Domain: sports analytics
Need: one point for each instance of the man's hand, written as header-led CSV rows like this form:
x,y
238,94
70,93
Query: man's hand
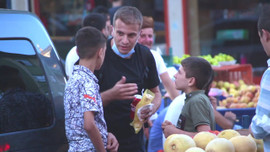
x,y
123,90
112,144
120,91
145,112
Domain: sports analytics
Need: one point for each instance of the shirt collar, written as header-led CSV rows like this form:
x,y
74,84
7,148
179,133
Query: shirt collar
x,y
85,70
116,51
189,95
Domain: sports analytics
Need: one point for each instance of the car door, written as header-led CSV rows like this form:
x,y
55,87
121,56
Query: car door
x,y
32,82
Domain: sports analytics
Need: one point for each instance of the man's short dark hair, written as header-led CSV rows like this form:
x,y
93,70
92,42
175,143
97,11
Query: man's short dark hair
x,y
88,41
264,19
128,15
96,20
200,69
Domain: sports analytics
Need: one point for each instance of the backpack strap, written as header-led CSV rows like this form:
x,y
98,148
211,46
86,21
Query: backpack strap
x,y
139,49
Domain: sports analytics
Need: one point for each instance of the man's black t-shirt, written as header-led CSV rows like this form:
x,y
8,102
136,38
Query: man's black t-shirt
x,y
139,69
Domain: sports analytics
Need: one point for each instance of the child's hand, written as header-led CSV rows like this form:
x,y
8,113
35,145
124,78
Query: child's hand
x,y
112,144
230,115
168,128
213,101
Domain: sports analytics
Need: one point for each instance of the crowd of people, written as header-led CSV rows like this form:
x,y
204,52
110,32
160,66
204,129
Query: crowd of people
x,y
112,63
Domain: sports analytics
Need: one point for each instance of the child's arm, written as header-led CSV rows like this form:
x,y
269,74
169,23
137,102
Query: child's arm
x,y
92,131
169,129
113,144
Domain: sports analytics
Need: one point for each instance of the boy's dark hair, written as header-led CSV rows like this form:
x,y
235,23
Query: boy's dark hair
x,y
88,41
96,20
201,70
264,19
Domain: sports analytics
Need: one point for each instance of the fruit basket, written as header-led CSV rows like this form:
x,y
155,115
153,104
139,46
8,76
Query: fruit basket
x,y
244,116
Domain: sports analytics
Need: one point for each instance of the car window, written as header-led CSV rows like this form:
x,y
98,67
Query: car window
x,y
25,101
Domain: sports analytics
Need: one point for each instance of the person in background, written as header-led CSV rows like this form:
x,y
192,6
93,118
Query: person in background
x,y
147,39
225,122
103,10
128,69
116,4
194,78
260,124
93,20
85,125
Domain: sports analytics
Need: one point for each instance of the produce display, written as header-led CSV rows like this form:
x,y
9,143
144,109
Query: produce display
x,y
213,141
220,145
203,138
178,143
244,144
217,60
238,94
228,134
178,60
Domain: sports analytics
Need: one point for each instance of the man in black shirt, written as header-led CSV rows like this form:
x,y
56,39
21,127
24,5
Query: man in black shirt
x,y
128,69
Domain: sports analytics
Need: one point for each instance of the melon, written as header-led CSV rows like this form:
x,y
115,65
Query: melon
x,y
178,143
243,144
194,149
259,143
228,134
220,145
203,138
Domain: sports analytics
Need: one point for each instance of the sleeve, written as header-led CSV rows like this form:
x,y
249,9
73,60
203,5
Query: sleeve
x,y
71,59
260,124
152,79
160,64
88,99
199,113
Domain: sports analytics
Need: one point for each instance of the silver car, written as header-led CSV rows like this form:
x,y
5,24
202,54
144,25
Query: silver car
x,y
32,81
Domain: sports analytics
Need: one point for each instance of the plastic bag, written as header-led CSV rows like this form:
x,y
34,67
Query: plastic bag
x,y
147,98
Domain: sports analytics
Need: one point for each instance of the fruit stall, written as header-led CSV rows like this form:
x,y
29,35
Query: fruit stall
x,y
227,140
233,87
238,94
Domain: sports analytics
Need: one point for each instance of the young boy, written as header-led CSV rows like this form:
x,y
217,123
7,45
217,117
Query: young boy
x,y
86,129
193,77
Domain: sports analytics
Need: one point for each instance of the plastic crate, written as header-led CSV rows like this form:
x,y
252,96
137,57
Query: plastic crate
x,y
244,116
234,73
